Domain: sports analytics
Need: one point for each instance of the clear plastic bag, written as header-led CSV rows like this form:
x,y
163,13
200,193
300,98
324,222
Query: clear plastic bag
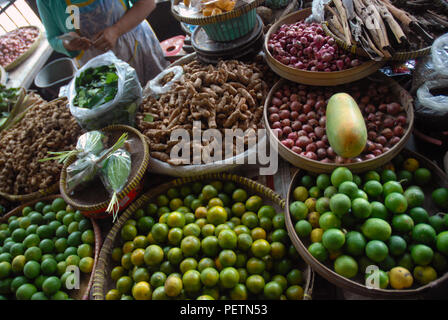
x,y
120,110
156,88
82,171
433,105
318,9
115,172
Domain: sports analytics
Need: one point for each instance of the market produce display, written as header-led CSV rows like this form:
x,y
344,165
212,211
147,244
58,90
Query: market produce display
x,y
15,43
377,26
378,218
304,46
96,86
8,97
205,241
229,95
44,127
37,247
297,114
214,7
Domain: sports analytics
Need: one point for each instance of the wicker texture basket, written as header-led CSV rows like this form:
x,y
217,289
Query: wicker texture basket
x,y
86,280
28,52
357,285
319,167
93,200
312,77
102,282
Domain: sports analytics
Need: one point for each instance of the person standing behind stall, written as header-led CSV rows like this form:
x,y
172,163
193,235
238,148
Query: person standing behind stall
x,y
105,25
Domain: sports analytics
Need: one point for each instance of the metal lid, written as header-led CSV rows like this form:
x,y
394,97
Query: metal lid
x,y
204,45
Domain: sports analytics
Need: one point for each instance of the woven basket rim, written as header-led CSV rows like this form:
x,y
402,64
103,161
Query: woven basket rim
x,y
17,211
200,21
267,193
397,56
349,284
134,181
28,52
395,149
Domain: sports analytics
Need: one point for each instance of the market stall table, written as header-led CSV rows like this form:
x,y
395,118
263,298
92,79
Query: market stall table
x,y
23,75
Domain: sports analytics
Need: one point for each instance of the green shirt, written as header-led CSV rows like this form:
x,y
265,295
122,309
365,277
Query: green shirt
x,y
54,17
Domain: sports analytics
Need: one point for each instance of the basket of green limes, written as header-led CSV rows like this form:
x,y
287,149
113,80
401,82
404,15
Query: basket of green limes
x,y
217,236
47,251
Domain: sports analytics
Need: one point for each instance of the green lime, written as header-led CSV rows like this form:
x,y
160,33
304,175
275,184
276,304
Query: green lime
x,y
376,250
25,291
330,191
379,211
397,245
323,205
405,177
333,239
422,176
415,197
255,284
346,266
340,175
373,188
33,254
388,175
159,232
442,242
239,195
361,208
323,181
419,215
303,228
424,233
437,222
440,197
31,269
392,186
396,202
329,220
340,204
49,266
229,277
318,251
74,239
406,262
376,229
51,285
307,181
272,290
348,188
372,175
402,223
355,243
298,210
422,254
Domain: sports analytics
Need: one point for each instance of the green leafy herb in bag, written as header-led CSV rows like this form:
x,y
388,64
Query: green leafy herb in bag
x,y
115,174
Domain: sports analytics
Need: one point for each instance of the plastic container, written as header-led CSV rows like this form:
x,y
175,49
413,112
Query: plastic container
x,y
55,74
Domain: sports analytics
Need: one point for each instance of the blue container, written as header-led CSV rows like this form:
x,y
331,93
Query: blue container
x,y
233,28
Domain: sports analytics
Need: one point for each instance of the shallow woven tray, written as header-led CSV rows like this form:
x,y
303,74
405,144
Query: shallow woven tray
x,y
95,196
357,285
86,279
102,282
317,78
319,167
28,52
199,20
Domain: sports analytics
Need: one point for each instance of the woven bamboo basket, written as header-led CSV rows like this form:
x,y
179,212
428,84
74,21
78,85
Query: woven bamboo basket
x,y
86,279
319,167
28,52
397,56
34,195
102,282
312,77
93,200
357,285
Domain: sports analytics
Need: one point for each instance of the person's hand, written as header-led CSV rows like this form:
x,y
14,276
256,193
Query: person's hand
x,y
106,39
77,43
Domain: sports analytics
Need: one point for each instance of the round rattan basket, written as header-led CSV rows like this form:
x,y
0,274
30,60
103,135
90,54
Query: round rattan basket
x,y
86,279
319,167
357,285
93,200
103,283
312,77
28,52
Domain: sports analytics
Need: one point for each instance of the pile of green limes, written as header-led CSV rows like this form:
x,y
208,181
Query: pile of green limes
x,y
37,247
378,218
211,241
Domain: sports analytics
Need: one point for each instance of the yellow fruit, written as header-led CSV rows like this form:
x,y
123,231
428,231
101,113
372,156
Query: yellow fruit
x,y
113,294
216,11
411,165
142,291
200,212
128,247
400,278
316,235
425,275
311,204
313,219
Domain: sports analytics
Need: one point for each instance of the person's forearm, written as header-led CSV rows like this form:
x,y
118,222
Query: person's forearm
x,y
134,16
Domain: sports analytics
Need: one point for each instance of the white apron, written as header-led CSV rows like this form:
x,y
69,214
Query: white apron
x,y
138,47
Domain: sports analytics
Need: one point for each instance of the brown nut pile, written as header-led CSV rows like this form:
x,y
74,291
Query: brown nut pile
x,y
228,96
45,127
